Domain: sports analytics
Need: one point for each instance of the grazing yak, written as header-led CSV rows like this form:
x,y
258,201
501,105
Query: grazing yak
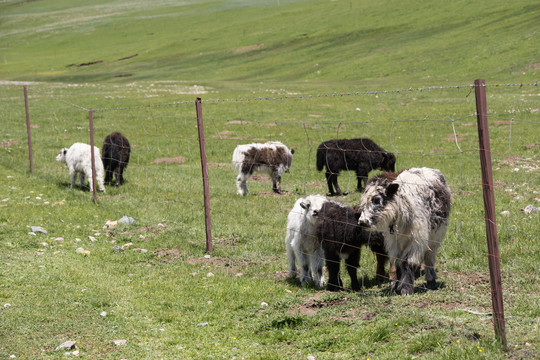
x,y
78,159
411,209
341,237
301,242
115,156
360,155
272,158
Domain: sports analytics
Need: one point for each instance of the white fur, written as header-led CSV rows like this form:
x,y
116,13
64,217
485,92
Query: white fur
x,y
301,241
406,220
79,162
275,171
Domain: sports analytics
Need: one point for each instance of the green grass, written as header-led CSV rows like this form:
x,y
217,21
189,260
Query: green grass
x,y
171,301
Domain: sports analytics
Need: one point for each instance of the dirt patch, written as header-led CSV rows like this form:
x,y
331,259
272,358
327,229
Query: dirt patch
x,y
452,137
532,146
225,133
502,122
90,63
174,160
128,57
238,122
34,126
168,255
316,302
245,49
228,265
213,165
8,143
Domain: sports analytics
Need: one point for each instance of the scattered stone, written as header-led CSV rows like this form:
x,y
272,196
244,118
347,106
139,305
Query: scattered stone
x,y
103,313
38,229
68,345
209,275
263,304
32,233
202,324
207,256
126,220
91,238
75,353
117,248
119,342
505,213
82,251
139,250
59,239
77,239
125,246
7,305
110,224
530,209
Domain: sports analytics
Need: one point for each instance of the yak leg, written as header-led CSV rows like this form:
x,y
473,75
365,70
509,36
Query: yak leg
x,y
352,263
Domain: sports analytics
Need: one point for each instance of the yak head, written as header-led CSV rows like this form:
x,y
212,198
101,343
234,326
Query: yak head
x,y
312,205
376,210
62,156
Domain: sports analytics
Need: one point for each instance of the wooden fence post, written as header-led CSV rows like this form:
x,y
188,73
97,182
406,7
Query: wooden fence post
x,y
28,130
92,155
489,207
202,146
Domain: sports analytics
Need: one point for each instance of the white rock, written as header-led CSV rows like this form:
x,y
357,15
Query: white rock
x,y
125,246
103,313
68,345
209,275
119,342
91,238
126,220
505,213
38,229
263,304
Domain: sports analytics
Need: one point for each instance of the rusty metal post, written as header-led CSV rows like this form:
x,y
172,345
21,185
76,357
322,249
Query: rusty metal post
x,y
489,207
28,130
92,156
202,146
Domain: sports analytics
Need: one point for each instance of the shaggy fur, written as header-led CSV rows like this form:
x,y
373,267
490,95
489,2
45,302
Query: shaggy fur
x,y
272,158
115,156
341,238
360,155
78,159
411,210
301,242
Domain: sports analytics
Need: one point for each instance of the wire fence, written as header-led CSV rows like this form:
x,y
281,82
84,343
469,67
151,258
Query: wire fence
x,y
431,126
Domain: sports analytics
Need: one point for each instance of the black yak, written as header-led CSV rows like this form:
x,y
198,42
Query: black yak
x,y
115,156
360,155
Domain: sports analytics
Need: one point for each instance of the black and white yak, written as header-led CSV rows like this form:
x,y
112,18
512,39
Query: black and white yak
x,y
360,155
272,158
411,210
115,156
341,237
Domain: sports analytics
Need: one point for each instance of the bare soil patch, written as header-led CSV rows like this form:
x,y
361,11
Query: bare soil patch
x,y
174,160
8,143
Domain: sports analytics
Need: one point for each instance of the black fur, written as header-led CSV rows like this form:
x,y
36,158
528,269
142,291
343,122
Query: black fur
x,y
115,156
340,235
360,155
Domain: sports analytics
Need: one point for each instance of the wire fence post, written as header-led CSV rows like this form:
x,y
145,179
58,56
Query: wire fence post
x,y
202,146
92,155
28,130
489,208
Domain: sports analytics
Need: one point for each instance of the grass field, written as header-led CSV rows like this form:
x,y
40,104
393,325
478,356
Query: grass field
x,y
161,294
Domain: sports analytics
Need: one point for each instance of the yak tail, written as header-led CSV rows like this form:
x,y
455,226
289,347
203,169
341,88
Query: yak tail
x,y
321,157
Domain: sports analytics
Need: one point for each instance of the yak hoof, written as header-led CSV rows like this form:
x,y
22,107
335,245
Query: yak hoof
x,y
432,285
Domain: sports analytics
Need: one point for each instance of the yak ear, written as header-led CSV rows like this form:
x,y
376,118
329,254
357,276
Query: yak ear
x,y
305,205
292,151
64,151
391,190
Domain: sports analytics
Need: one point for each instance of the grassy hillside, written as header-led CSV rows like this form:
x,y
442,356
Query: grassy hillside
x,y
350,43
140,64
